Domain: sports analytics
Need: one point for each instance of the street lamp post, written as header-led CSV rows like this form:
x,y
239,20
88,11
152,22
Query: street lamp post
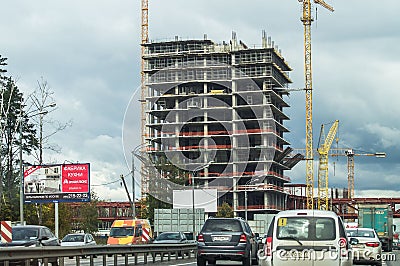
x,y
245,202
194,171
21,170
135,151
133,186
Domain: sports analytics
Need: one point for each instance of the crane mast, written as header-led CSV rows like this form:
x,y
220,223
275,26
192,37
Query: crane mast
x,y
307,19
323,151
145,38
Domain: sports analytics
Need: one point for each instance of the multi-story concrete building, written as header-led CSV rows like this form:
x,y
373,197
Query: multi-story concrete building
x,y
217,111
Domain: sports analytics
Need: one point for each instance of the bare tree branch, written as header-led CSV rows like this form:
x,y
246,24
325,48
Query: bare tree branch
x,y
41,99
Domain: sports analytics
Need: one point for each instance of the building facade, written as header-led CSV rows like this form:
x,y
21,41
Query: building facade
x,y
217,112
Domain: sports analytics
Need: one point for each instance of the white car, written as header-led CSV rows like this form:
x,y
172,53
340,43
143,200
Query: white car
x,y
78,239
366,246
306,238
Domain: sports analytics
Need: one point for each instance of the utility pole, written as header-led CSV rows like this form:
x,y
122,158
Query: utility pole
x,y
127,193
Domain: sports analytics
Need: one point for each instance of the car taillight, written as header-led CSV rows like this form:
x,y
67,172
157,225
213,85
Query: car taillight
x,y
268,246
372,244
243,238
200,238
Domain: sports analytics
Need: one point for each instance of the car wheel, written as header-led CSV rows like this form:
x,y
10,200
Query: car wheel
x,y
201,261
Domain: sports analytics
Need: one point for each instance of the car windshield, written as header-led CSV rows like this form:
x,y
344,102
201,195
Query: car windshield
x,y
217,225
73,238
306,228
121,231
360,233
169,236
19,234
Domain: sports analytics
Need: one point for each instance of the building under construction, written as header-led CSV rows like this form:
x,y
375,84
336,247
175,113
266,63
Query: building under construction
x,y
217,112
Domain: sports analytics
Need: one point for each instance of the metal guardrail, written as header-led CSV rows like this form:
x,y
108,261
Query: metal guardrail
x,y
25,255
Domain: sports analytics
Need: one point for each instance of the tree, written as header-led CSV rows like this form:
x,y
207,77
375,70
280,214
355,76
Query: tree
x,y
225,211
173,174
40,99
88,215
15,127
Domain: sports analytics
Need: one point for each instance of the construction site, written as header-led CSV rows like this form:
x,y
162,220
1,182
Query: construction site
x,y
218,111
221,105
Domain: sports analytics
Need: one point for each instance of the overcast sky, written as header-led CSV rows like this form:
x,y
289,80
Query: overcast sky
x,y
89,53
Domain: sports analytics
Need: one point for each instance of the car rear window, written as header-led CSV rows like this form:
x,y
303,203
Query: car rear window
x,y
73,238
360,233
24,233
169,236
218,225
306,228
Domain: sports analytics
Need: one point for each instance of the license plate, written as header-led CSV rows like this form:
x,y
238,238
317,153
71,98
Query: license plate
x,y
358,246
296,255
221,238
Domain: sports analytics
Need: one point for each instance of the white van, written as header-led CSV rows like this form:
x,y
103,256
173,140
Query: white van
x,y
306,237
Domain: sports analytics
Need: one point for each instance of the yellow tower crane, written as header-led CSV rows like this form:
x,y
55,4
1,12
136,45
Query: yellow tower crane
x,y
307,19
350,153
145,39
323,151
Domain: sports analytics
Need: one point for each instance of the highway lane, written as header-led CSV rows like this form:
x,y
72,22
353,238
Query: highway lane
x,y
392,258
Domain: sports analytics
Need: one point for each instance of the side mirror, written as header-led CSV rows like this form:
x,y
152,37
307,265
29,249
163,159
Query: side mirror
x,y
353,241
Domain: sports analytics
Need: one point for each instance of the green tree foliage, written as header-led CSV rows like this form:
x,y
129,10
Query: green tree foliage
x,y
65,218
87,215
13,121
225,211
173,174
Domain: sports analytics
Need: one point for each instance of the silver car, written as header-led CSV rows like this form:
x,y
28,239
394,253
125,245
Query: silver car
x,y
366,246
306,237
78,239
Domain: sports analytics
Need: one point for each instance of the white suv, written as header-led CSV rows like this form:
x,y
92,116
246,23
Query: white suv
x,y
306,237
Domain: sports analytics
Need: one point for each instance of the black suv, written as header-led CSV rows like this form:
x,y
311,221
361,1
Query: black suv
x,y
226,239
32,236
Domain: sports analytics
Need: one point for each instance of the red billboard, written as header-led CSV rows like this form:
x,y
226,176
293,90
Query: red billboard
x,y
57,183
75,178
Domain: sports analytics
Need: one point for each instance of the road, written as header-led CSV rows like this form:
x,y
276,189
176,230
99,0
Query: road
x,y
393,259
392,255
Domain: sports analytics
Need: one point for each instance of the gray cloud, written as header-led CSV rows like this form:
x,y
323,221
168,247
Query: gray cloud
x,y
89,53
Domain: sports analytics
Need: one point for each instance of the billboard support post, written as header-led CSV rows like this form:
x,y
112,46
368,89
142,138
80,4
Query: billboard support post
x,y
56,218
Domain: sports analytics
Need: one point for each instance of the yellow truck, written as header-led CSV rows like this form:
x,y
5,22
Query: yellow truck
x,y
130,232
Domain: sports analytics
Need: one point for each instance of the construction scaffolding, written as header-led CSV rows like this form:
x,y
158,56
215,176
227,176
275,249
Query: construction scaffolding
x,y
221,105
